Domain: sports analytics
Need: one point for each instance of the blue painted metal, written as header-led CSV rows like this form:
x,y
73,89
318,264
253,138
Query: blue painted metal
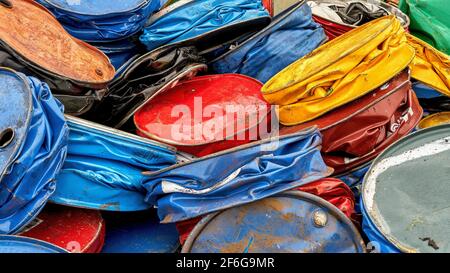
x,y
405,194
295,222
291,35
33,146
181,23
120,52
354,179
139,232
424,92
236,176
102,20
103,169
18,244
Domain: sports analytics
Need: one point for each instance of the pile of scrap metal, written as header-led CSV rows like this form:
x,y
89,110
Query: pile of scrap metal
x,y
224,126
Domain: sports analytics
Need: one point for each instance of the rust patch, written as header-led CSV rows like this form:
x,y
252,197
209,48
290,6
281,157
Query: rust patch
x,y
38,37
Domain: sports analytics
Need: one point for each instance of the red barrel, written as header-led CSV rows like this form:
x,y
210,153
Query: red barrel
x,y
357,132
76,230
206,114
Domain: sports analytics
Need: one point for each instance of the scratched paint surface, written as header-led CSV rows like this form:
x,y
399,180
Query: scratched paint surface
x,y
410,201
276,225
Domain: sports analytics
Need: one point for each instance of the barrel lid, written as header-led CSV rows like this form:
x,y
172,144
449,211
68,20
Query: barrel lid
x,y
45,45
18,244
435,120
139,232
97,7
288,222
61,225
15,111
219,93
405,193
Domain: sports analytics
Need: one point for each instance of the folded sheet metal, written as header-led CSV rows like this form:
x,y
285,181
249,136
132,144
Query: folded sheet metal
x,y
430,99
19,244
331,190
119,52
103,169
143,78
252,172
139,232
405,194
430,21
33,145
102,20
434,120
32,41
338,17
430,66
203,22
357,132
76,230
232,113
291,35
340,71
290,222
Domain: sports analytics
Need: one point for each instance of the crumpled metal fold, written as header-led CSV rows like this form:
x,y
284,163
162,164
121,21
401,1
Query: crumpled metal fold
x,y
261,56
340,71
141,79
252,172
102,21
103,169
28,179
200,17
430,66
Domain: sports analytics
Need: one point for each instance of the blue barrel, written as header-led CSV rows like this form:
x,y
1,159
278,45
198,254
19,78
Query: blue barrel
x,y
102,20
405,194
18,244
291,35
33,145
295,222
204,23
139,232
104,168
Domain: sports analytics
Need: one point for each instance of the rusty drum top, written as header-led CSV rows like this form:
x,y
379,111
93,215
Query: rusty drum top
x,y
290,222
406,191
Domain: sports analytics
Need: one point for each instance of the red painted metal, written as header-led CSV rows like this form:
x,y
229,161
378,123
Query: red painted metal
x,y
357,132
77,230
206,119
332,30
268,4
332,190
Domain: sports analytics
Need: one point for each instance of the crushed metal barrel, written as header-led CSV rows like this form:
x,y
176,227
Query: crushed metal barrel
x,y
224,126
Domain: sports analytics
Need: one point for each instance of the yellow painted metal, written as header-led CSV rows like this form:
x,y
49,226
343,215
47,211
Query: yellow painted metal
x,y
435,120
340,71
430,66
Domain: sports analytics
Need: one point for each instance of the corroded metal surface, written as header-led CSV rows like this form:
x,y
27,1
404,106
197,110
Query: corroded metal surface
x,y
46,44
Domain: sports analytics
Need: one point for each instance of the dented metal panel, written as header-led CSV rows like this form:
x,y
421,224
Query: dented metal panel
x,y
76,230
405,194
33,146
261,56
357,132
104,167
435,120
142,79
204,23
102,20
230,95
252,172
294,222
